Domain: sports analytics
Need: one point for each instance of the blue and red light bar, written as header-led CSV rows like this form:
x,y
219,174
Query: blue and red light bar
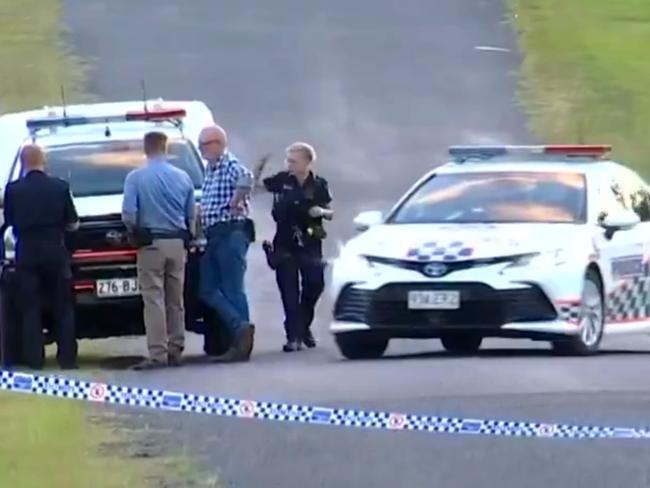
x,y
592,151
155,115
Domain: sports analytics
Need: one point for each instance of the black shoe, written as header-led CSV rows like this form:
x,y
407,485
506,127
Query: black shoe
x,y
309,341
292,346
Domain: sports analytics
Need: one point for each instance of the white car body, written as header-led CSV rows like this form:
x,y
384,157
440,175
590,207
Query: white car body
x,y
15,135
394,255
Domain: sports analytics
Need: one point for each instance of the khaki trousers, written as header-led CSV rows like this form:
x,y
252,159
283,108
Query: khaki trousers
x,y
161,273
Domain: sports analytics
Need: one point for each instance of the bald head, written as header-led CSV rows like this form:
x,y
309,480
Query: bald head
x,y
212,142
32,157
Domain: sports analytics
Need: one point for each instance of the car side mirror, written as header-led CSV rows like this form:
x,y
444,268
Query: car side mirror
x,y
365,220
619,220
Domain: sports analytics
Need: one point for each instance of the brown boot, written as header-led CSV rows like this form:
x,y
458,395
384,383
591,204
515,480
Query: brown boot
x,y
247,341
240,350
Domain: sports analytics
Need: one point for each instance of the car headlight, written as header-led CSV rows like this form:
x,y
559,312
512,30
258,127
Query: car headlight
x,y
9,245
543,259
349,262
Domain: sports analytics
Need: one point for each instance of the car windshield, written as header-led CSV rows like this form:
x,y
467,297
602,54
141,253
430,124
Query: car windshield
x,y
496,197
100,168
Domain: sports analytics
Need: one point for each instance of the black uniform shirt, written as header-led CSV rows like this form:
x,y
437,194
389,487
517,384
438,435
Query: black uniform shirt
x,y
291,204
39,208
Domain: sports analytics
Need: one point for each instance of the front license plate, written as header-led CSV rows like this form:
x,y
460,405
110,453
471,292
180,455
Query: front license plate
x,y
117,287
434,300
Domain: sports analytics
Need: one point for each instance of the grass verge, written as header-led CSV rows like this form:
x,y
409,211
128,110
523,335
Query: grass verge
x,y
584,74
54,442
34,58
47,442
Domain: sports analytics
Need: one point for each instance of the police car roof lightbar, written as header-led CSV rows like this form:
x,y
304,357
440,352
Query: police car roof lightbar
x,y
592,151
155,115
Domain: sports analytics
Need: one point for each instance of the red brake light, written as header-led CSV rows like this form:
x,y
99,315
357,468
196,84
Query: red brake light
x,y
157,114
594,150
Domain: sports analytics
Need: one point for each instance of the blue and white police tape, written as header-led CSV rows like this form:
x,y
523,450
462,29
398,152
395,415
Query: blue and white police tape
x,y
228,407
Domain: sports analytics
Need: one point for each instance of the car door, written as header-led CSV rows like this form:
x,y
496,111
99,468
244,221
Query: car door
x,y
624,255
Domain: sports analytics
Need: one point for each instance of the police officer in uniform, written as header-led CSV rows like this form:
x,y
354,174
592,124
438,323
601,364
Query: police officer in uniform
x,y
40,210
301,200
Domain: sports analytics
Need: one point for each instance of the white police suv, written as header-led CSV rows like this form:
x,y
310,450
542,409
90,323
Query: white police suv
x,y
548,243
94,147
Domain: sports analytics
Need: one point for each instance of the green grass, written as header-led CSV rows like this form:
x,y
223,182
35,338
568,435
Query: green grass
x,y
47,442
585,73
55,443
34,58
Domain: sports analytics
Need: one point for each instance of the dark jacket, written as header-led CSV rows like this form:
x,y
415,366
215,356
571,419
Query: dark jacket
x,y
40,210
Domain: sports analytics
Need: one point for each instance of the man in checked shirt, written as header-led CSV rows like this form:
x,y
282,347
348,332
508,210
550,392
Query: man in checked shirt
x,y
229,231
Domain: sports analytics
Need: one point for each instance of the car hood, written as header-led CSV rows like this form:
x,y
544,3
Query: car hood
x,y
96,206
458,242
100,205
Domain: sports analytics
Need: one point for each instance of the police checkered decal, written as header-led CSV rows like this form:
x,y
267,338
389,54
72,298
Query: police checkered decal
x,y
569,312
431,251
630,300
228,407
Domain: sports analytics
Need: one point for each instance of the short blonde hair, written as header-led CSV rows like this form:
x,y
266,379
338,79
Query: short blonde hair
x,y
304,148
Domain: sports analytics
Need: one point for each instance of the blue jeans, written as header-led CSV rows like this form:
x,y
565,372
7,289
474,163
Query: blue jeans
x,y
223,267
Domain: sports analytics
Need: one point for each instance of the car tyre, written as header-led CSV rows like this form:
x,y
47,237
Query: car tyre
x,y
461,343
591,321
354,345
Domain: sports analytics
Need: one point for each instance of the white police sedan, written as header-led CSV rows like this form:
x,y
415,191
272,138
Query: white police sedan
x,y
548,243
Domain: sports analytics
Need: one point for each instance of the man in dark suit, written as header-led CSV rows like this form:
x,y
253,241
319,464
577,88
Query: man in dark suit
x,y
40,210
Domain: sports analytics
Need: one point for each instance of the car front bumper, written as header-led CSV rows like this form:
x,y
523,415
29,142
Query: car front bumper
x,y
522,311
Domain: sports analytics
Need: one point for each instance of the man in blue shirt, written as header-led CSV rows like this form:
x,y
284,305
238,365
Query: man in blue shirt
x,y
225,202
159,210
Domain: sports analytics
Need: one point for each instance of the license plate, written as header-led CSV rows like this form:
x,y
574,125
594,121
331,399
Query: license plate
x,y
117,287
434,300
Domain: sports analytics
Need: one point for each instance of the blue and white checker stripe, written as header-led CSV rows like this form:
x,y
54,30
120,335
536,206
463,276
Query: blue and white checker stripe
x,y
229,407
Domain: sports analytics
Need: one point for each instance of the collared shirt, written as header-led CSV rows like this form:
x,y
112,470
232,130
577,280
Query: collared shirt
x,y
158,197
223,177
39,208
291,204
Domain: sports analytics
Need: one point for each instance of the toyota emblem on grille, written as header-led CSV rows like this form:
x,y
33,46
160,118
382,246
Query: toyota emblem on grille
x,y
114,236
435,270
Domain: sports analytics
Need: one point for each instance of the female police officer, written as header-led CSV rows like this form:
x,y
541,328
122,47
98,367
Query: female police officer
x,y
301,200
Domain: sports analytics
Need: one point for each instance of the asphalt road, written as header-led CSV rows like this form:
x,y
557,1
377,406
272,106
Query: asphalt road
x,y
381,88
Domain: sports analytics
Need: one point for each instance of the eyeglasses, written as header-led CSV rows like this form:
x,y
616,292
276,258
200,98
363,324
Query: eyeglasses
x,y
207,143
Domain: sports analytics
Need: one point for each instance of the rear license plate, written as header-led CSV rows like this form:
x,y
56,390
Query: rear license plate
x,y
434,300
117,287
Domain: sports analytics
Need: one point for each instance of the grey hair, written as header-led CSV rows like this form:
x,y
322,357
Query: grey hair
x,y
304,148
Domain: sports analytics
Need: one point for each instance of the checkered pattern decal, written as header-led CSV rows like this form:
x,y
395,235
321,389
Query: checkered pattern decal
x,y
569,312
229,407
430,251
630,300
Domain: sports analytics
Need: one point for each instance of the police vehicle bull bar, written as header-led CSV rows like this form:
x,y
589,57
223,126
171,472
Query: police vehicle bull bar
x,y
582,152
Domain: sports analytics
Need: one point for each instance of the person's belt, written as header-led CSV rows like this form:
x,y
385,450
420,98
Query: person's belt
x,y
181,234
226,225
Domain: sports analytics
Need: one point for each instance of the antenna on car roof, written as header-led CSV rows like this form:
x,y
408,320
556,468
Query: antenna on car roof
x,y
65,112
144,96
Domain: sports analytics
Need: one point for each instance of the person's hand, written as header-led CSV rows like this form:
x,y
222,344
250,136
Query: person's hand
x,y
259,167
315,212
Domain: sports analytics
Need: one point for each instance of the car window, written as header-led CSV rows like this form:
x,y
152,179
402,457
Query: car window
x,y
508,196
100,168
635,194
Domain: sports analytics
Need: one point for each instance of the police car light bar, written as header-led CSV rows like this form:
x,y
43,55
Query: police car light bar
x,y
593,151
156,115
